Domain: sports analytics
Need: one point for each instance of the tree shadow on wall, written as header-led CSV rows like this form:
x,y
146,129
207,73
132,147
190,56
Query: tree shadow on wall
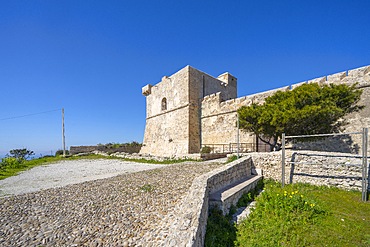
x,y
293,162
341,144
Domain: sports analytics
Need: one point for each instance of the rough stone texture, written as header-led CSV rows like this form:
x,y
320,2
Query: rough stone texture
x,y
115,211
202,110
186,225
152,208
66,172
319,168
88,149
225,198
176,130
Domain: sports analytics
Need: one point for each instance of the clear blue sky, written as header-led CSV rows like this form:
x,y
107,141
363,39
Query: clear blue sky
x,y
93,57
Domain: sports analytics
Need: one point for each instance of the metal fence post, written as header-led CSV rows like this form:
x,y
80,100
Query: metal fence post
x,y
283,160
365,181
237,134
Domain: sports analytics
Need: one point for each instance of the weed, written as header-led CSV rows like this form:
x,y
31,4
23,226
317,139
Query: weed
x,y
147,188
231,158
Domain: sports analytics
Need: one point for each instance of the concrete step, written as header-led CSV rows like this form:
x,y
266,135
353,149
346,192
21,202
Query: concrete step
x,y
229,195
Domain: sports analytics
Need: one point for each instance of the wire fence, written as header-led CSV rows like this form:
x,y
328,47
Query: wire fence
x,y
365,170
243,147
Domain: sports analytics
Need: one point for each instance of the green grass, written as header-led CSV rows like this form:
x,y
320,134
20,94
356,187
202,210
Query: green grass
x,y
306,215
220,231
11,170
231,158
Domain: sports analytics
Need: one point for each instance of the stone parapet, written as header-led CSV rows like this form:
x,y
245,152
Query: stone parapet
x,y
186,225
189,219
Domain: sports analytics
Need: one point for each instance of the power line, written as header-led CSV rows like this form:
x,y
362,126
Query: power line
x,y
27,115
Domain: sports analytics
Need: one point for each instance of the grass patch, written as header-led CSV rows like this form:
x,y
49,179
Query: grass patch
x,y
8,170
220,229
147,188
306,215
231,158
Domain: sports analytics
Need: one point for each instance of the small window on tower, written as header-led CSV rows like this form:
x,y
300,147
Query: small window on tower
x,y
164,104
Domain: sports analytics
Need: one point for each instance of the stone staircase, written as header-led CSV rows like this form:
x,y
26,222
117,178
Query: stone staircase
x,y
229,195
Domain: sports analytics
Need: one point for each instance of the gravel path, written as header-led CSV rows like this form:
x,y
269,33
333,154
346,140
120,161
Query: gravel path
x,y
68,172
115,211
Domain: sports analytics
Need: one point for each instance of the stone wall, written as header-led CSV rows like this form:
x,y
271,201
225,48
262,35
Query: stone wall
x,y
201,109
167,134
186,225
175,130
89,149
189,219
167,130
319,168
219,117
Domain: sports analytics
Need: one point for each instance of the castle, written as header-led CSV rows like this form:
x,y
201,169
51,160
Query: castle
x,y
191,109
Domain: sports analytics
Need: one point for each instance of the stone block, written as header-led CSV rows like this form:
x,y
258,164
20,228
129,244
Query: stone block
x,y
336,78
146,90
298,84
359,71
319,80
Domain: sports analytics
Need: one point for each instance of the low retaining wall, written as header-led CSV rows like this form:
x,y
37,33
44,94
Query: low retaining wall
x,y
188,222
88,149
318,168
189,219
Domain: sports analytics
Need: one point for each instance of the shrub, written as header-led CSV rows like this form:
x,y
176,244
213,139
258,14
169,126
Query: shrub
x,y
206,150
60,152
10,162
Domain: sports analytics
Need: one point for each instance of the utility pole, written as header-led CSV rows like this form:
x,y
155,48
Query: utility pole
x,y
63,135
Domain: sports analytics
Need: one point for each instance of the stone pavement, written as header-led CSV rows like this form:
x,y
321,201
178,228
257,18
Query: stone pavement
x,y
115,211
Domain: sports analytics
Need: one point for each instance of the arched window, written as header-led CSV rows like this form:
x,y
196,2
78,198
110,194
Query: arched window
x,y
164,104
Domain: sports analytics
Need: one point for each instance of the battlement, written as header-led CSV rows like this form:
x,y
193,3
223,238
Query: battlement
x,y
146,90
227,79
191,108
215,97
360,75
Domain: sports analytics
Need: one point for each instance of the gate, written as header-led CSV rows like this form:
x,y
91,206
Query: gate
x,y
364,157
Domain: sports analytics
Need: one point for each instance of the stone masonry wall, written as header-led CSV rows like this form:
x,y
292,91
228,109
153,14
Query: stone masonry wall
x,y
202,109
167,134
189,219
218,117
167,131
318,168
88,149
176,129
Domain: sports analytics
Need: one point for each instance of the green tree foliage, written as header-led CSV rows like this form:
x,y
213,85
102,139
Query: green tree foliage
x,y
60,152
21,154
306,110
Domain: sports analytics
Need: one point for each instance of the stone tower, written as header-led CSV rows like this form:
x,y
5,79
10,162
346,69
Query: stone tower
x,y
173,107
